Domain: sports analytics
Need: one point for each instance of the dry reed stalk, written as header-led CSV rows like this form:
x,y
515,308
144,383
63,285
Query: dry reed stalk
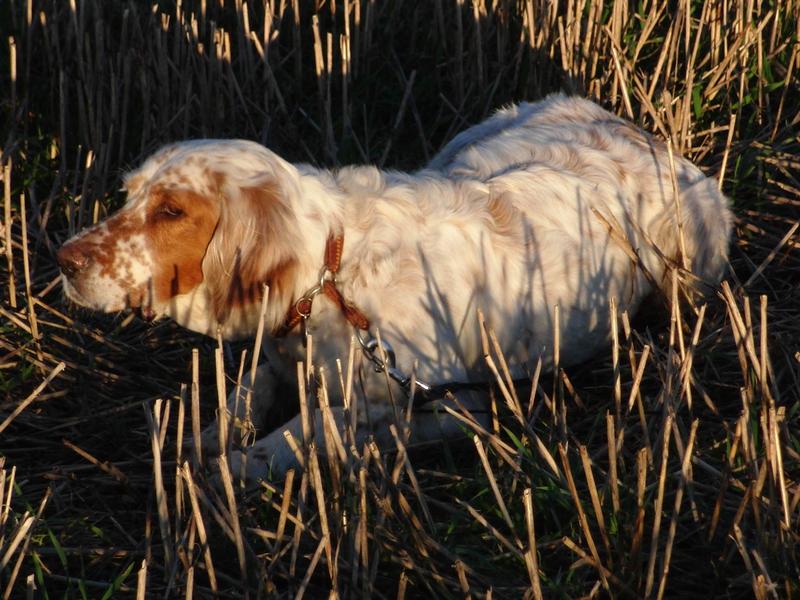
x,y
303,379
7,221
763,363
7,478
503,450
179,499
531,558
222,404
26,269
486,352
227,485
738,538
361,548
493,482
534,387
757,503
319,493
105,466
726,153
678,205
388,381
622,77
638,528
613,479
789,74
596,504
189,581
32,396
637,379
676,322
248,399
155,425
286,499
25,522
673,525
12,65
748,443
23,553
509,381
141,581
781,477
616,374
334,446
510,397
196,437
688,362
559,402
657,511
584,522
200,526
401,586
324,544
511,547
321,75
406,463
328,108
567,383
626,591
299,453
726,479
15,319
462,580
161,424
741,332
351,408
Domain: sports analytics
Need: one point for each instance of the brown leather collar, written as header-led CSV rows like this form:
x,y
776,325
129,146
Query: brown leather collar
x,y
301,309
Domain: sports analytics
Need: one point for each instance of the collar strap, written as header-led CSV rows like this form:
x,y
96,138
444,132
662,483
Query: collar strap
x,y
301,309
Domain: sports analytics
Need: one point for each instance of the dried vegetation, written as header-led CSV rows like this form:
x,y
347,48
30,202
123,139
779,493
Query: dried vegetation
x,y
669,467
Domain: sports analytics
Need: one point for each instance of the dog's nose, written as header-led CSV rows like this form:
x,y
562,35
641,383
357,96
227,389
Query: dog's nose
x,y
72,259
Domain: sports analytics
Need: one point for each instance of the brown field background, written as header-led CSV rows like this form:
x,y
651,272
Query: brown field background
x,y
668,467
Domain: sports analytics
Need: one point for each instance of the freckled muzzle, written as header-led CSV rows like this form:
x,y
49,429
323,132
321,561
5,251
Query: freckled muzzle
x,y
73,257
97,276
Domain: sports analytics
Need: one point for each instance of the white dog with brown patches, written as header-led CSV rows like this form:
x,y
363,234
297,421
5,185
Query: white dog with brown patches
x,y
553,203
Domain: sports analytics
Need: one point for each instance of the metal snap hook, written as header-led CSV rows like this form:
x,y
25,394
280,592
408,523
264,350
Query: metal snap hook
x,y
372,346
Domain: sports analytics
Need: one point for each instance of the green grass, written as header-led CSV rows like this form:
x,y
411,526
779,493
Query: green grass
x,y
95,91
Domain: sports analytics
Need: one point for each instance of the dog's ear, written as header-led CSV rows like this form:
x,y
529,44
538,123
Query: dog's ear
x,y
254,244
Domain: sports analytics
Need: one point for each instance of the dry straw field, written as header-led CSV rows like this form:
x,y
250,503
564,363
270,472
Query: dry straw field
x,y
667,467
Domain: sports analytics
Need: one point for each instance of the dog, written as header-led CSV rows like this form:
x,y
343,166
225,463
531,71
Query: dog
x,y
554,203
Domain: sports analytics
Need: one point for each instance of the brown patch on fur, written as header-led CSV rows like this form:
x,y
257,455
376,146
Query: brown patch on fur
x,y
178,243
99,245
254,246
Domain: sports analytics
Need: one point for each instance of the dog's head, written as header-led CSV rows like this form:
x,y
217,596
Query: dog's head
x,y
205,225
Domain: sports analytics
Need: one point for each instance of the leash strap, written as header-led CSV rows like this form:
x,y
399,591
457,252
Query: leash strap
x,y
301,309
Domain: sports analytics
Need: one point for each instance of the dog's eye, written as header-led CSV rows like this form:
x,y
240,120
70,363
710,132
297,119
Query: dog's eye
x,y
170,211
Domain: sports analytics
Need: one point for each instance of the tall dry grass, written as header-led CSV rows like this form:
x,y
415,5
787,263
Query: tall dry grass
x,y
668,467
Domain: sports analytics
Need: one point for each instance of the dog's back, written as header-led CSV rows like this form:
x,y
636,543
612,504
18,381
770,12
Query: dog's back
x,y
577,137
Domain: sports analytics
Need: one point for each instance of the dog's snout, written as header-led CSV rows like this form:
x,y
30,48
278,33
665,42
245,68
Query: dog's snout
x,y
72,259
